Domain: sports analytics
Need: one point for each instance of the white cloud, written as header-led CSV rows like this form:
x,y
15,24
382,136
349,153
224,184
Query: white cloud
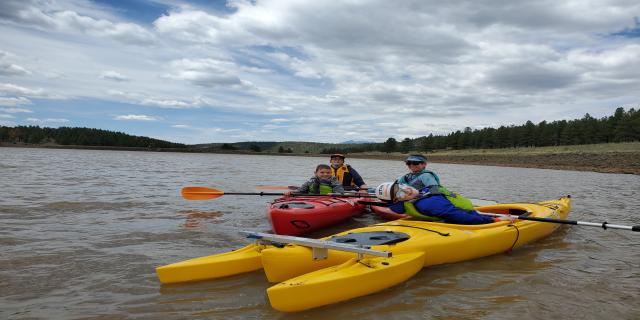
x,y
171,104
12,102
48,120
6,116
9,88
113,75
8,68
205,72
188,25
16,110
125,95
279,109
46,16
137,117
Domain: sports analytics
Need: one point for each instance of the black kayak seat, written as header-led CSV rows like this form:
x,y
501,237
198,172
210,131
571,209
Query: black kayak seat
x,y
373,238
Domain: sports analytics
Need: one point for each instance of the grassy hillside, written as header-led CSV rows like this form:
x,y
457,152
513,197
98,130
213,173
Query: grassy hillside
x,y
584,148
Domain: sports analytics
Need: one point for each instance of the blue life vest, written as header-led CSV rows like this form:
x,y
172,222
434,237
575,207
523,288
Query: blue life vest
x,y
416,182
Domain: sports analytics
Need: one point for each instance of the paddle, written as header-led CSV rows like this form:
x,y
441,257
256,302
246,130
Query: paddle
x,y
293,188
204,193
277,187
604,225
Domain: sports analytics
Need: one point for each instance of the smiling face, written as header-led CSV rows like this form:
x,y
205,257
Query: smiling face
x,y
406,192
323,174
337,162
416,166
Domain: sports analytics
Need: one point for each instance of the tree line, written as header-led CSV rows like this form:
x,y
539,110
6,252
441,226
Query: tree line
x,y
622,126
80,136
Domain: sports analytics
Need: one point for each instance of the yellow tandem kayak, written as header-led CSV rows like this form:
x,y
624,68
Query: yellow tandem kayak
x,y
313,273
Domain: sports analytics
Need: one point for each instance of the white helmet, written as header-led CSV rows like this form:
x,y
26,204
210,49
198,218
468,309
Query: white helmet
x,y
387,191
392,191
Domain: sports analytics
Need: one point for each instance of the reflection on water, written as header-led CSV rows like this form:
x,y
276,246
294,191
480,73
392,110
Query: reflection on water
x,y
195,218
82,232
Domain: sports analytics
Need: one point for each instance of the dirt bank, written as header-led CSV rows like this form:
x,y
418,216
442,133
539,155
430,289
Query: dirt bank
x,y
610,162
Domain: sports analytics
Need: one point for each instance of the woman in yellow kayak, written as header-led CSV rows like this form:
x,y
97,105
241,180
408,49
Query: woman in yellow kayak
x,y
432,203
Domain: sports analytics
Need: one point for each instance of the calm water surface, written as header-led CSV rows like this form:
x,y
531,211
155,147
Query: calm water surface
x,y
82,232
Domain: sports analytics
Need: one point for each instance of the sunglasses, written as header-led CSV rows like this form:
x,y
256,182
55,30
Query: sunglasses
x,y
413,163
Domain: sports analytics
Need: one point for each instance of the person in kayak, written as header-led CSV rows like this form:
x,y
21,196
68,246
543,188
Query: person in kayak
x,y
321,183
418,177
432,203
346,174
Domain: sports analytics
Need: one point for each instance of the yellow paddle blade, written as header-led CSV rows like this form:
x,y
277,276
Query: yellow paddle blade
x,y
201,193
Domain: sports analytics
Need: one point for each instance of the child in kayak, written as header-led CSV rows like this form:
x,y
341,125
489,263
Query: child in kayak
x,y
346,174
431,204
321,183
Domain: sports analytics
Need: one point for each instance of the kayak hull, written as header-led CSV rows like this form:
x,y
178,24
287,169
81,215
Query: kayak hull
x,y
300,215
220,265
337,283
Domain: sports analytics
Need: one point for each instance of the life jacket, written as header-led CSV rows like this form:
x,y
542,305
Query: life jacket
x,y
456,199
320,188
343,175
416,182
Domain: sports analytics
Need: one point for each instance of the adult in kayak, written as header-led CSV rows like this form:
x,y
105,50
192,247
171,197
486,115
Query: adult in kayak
x,y
418,177
432,203
345,173
321,183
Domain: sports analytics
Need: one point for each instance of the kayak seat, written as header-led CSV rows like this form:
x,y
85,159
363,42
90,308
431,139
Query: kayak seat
x,y
295,205
375,238
519,212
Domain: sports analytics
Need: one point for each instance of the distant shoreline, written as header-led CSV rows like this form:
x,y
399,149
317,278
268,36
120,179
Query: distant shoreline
x,y
611,162
624,162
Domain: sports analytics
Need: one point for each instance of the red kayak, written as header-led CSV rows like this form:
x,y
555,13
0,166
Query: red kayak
x,y
299,215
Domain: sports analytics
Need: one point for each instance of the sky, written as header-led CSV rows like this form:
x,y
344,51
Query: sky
x,y
322,71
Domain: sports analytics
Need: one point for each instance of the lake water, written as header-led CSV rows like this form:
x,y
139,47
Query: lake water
x,y
83,230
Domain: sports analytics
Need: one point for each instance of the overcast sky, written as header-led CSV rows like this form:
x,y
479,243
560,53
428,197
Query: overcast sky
x,y
325,71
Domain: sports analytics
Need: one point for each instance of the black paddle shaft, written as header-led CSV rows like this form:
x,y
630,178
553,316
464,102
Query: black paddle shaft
x,y
337,195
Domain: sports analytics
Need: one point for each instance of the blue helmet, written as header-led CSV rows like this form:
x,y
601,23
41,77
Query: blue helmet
x,y
416,158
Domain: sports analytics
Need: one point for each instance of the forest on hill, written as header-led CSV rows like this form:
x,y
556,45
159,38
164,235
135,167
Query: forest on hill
x,y
67,136
622,126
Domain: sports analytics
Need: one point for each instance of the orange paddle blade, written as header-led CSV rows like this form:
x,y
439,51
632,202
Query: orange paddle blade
x,y
201,193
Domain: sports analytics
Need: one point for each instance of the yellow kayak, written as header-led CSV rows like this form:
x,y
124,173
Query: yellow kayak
x,y
313,273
